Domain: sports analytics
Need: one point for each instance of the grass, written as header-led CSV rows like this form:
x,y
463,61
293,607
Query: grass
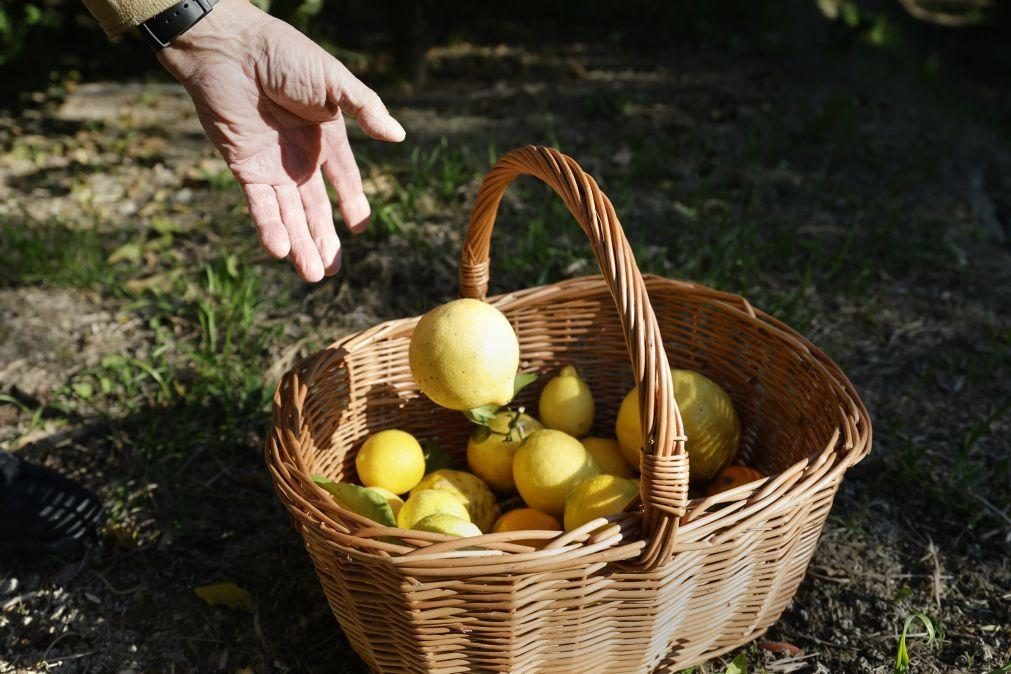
x,y
53,253
201,380
431,183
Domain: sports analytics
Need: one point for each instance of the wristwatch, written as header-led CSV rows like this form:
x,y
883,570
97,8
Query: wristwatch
x,y
159,31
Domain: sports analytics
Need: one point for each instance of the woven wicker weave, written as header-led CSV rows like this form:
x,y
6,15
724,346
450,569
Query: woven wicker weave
x,y
668,584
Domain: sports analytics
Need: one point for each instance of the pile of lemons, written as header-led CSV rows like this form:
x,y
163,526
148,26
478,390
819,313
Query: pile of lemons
x,y
464,355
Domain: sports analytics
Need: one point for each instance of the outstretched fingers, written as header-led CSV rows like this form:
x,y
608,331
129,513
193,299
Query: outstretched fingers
x,y
267,218
304,254
358,101
319,217
342,172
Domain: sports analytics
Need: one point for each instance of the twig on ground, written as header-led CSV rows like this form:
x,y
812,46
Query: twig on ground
x,y
917,575
936,575
20,599
834,579
112,589
991,507
57,659
45,655
792,664
822,642
73,435
259,635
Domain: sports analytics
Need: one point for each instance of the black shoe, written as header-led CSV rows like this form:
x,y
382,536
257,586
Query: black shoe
x,y
42,511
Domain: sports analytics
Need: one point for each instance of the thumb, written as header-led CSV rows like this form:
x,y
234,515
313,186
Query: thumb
x,y
358,101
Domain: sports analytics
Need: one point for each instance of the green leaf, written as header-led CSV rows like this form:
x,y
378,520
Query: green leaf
x,y
226,594
83,389
739,665
902,655
128,252
33,15
850,14
436,458
360,500
113,362
482,416
481,433
1001,670
522,381
903,592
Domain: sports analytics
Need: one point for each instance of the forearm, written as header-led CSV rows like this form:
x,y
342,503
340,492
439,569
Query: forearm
x,y
119,16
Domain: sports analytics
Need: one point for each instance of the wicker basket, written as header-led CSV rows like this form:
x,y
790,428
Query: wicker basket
x,y
670,583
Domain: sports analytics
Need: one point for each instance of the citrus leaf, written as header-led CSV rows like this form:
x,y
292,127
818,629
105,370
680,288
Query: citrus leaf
x,y
436,458
522,381
229,595
483,415
481,433
360,500
738,665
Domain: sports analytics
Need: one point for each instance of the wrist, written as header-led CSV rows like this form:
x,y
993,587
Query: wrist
x,y
221,31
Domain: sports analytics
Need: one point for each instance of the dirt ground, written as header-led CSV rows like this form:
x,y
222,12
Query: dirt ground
x,y
838,192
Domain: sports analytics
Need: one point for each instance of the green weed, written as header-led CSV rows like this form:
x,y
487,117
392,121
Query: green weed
x,y
52,253
203,375
739,665
932,632
430,185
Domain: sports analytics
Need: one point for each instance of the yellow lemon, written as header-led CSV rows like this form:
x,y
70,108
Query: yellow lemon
x,y
441,523
395,501
468,490
599,496
548,466
490,450
710,422
392,460
566,404
608,455
464,354
424,502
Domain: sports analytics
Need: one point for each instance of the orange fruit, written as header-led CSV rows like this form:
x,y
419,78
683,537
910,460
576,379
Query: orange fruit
x,y
730,477
523,519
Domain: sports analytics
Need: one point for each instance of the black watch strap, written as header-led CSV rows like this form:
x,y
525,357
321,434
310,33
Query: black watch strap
x,y
161,29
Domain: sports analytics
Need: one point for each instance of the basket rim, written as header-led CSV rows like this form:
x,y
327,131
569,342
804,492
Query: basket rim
x,y
619,541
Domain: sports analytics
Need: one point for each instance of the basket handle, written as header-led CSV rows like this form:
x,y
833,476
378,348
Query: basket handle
x,y
664,462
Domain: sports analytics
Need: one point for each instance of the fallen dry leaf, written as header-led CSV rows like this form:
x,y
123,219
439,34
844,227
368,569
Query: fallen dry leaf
x,y
229,595
780,647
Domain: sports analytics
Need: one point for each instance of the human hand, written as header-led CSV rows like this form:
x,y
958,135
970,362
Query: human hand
x,y
271,100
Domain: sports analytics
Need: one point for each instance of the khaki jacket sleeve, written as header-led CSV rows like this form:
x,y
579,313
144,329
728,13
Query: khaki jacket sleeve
x,y
118,16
